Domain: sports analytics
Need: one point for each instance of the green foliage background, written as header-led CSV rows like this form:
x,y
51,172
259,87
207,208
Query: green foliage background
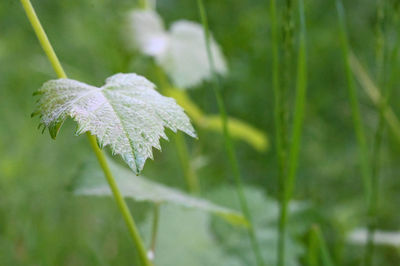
x,y
42,223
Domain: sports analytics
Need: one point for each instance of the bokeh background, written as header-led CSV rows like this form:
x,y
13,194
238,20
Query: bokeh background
x,y
43,223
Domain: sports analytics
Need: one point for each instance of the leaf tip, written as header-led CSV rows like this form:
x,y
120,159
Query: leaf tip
x,y
54,129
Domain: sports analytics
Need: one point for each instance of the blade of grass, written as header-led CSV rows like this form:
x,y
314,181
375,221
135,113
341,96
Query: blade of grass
x,y
279,126
229,145
355,108
301,90
48,49
376,148
317,249
290,179
325,256
312,250
374,94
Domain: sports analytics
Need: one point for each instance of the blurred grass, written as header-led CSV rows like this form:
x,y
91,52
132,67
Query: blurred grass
x,y
42,223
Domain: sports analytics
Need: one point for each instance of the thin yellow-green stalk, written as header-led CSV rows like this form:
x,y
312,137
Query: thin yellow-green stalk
x,y
48,49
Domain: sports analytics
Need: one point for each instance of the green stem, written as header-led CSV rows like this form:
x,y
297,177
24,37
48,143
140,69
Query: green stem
x,y
288,183
358,126
301,87
144,4
355,108
312,251
42,37
279,128
376,149
189,173
325,256
48,49
154,228
229,145
120,201
192,182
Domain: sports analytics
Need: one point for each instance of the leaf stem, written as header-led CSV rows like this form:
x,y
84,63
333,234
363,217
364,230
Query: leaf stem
x,y
42,37
229,145
48,49
120,201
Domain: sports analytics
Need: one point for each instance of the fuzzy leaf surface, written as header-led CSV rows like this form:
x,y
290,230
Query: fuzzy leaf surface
x,y
127,114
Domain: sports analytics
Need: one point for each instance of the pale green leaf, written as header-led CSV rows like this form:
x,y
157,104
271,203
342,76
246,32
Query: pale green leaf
x,y
148,32
127,114
181,51
191,229
92,182
265,213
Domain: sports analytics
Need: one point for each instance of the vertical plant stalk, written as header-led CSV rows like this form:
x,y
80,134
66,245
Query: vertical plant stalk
x,y
357,123
229,145
301,91
48,49
289,180
312,249
279,128
376,149
373,91
192,181
189,173
286,70
319,242
355,108
134,232
154,231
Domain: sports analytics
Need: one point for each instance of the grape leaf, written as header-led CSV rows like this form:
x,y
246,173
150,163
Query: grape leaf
x,y
265,213
198,246
181,51
127,114
149,35
91,181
